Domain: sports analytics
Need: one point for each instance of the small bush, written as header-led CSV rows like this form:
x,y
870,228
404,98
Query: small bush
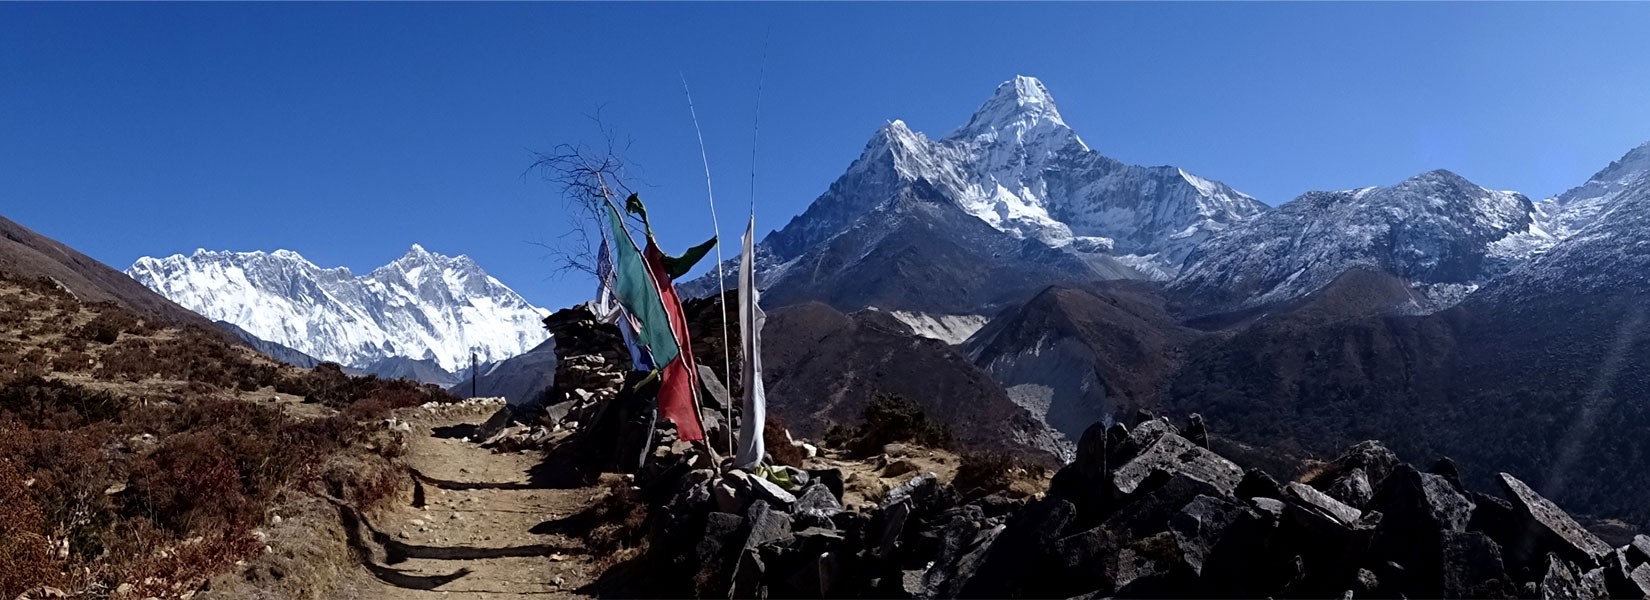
x,y
987,472
889,418
110,322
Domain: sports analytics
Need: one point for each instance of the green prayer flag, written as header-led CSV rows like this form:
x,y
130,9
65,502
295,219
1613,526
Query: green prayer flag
x,y
637,293
677,266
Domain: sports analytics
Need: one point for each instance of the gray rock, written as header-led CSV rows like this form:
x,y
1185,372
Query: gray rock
x,y
1197,431
1198,527
766,525
1175,455
1084,563
887,527
1258,484
1330,507
770,491
918,488
1153,510
1641,579
717,394
1351,488
1546,528
951,576
1410,498
1472,565
1564,581
1639,550
1371,456
817,501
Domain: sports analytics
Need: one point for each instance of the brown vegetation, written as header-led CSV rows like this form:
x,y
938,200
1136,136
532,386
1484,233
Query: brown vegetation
x,y
130,454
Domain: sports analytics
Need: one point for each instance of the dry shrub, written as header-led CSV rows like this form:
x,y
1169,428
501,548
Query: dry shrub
x,y
25,557
778,443
986,472
889,418
619,520
360,397
49,404
70,474
73,361
110,321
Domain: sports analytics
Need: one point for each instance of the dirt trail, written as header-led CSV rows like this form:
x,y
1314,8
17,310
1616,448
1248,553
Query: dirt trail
x,y
486,527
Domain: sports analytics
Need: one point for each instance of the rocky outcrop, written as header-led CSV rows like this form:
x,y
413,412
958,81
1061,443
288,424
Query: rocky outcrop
x,y
1141,512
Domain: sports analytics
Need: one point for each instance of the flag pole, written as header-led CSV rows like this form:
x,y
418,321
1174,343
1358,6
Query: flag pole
x,y
721,281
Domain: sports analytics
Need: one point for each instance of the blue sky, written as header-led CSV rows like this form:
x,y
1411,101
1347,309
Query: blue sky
x,y
348,132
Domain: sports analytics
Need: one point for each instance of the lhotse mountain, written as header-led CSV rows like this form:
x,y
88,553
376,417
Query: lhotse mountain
x,y
420,316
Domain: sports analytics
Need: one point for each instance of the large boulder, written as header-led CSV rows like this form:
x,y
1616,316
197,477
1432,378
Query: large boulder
x,y
1173,455
1563,580
1199,527
1419,500
1472,566
1544,528
1421,512
1023,547
1371,456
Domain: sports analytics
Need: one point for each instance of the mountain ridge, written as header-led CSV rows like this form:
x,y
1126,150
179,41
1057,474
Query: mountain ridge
x,y
420,311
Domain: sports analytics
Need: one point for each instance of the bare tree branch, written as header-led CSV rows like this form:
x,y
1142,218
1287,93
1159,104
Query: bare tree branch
x,y
588,178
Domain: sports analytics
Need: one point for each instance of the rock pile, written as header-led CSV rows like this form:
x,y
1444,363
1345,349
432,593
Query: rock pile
x,y
1142,512
590,363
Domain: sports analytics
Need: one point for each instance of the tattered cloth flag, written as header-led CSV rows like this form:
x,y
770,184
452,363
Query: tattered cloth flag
x,y
642,289
608,310
751,319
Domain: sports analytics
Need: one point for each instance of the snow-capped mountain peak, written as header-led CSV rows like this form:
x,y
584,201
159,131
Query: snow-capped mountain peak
x,y
1018,168
1020,108
421,306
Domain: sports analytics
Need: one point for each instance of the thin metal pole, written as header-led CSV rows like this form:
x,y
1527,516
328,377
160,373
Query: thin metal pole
x,y
721,281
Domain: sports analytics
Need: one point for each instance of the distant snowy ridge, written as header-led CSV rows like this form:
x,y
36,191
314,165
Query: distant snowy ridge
x,y
1442,233
422,306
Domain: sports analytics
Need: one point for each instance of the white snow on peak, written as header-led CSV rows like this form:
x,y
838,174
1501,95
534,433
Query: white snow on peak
x,y
420,306
1574,210
1436,230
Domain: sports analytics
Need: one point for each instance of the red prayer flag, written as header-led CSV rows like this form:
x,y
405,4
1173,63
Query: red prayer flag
x,y
679,381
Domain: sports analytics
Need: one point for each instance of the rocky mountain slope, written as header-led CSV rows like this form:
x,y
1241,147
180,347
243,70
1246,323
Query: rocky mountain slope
x,y
27,254
824,367
420,316
1010,202
1074,356
1542,371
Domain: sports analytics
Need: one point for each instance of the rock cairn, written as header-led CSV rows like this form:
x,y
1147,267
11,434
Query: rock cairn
x,y
590,363
1142,512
